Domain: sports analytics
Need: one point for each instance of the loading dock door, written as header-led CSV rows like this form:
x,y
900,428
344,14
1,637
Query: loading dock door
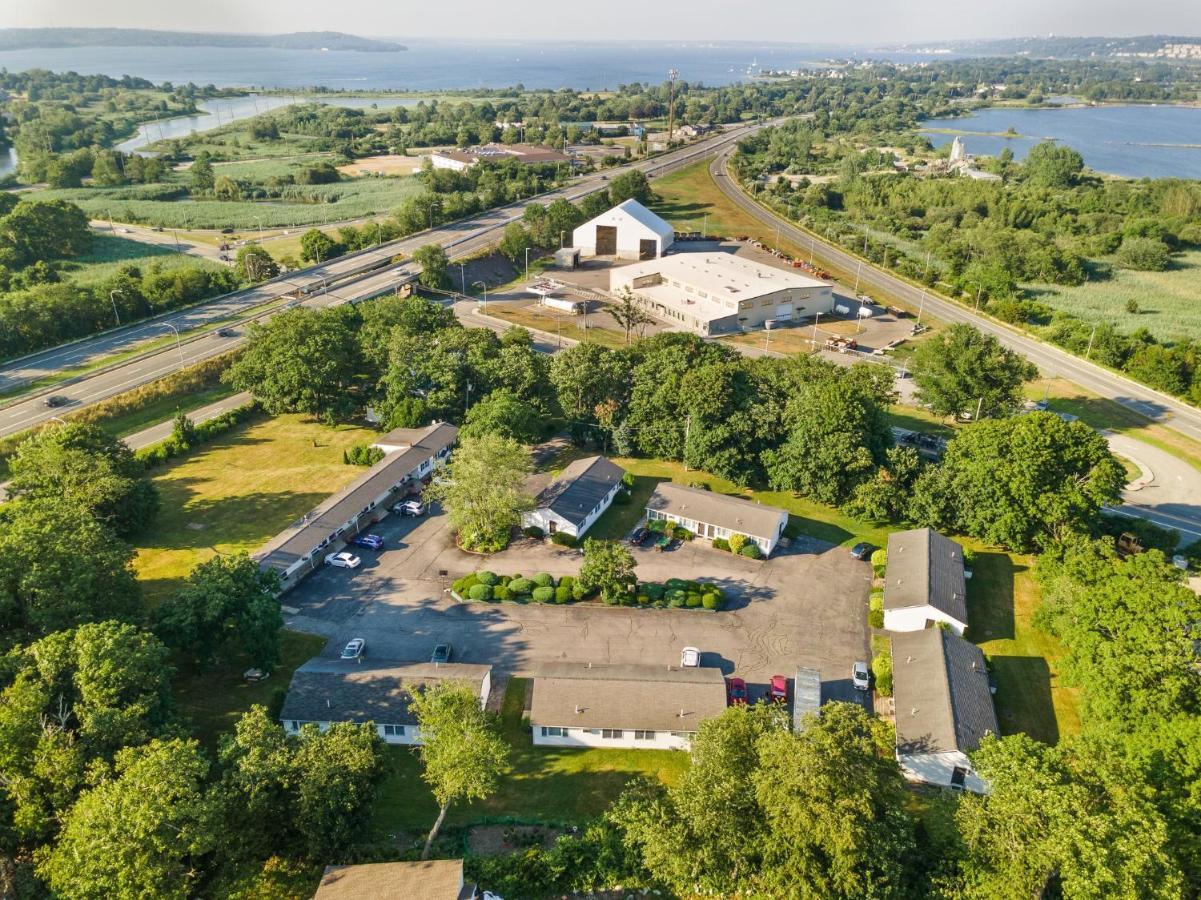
x,y
606,240
648,249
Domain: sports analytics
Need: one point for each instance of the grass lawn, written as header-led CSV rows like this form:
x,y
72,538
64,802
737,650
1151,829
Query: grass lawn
x,y
110,252
163,409
543,784
570,326
230,496
211,702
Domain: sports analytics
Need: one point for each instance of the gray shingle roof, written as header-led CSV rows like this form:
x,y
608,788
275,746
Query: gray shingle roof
x,y
925,568
369,690
940,688
639,697
735,513
579,488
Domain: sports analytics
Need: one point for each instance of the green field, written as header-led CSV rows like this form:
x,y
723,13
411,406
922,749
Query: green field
x,y
1169,303
110,252
554,785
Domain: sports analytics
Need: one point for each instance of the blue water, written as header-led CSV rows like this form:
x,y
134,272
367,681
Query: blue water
x,y
1132,141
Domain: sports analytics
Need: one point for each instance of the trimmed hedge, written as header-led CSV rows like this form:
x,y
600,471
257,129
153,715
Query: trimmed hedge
x,y
562,594
676,593
544,594
543,579
501,592
171,447
521,585
562,539
486,577
721,544
480,592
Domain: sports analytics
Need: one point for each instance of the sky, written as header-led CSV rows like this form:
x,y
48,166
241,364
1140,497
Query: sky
x,y
793,21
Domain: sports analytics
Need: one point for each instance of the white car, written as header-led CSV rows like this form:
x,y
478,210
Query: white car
x,y
354,649
343,560
690,657
409,508
860,676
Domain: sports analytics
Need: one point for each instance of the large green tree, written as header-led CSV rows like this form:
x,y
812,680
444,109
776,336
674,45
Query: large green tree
x,y
1052,165
434,264
962,370
484,490
1020,481
630,185
462,752
317,246
608,567
584,376
503,413
301,360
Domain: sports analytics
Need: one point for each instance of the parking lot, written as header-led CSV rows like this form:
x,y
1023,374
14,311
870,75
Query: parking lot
x,y
807,606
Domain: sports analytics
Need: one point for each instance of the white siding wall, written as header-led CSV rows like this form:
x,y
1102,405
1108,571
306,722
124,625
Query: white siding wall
x,y
767,545
544,516
584,737
401,734
937,769
914,618
630,234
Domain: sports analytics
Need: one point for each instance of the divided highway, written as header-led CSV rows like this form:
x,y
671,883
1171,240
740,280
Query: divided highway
x,y
358,276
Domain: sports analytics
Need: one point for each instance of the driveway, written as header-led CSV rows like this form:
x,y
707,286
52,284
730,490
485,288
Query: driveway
x,y
805,607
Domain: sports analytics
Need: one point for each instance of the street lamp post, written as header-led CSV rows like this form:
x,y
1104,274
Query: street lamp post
x,y
485,287
817,318
857,274
178,345
920,306
113,298
527,263
463,277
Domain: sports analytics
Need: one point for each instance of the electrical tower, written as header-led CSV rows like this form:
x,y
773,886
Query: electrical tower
x,y
672,75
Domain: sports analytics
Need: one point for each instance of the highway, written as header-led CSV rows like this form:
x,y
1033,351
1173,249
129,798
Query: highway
x,y
357,276
1050,360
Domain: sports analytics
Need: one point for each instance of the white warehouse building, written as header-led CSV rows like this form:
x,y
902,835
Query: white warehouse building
x,y
715,292
627,231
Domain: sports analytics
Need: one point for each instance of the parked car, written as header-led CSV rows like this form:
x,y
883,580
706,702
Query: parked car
x,y
690,657
354,649
441,653
409,508
56,400
253,675
637,538
862,550
861,677
777,690
736,692
343,560
370,541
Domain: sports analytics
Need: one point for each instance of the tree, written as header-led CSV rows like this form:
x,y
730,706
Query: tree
x,y
227,604
885,496
1052,165
255,263
84,465
962,370
59,568
302,360
584,376
1018,482
202,176
146,830
386,316
1144,254
434,263
608,567
461,750
503,413
44,230
484,491
630,185
514,241
629,314
317,246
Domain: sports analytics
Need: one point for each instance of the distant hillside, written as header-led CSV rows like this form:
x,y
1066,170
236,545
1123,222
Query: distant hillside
x,y
1055,47
46,38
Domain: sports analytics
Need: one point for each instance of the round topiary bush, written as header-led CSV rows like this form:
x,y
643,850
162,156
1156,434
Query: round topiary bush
x,y
711,601
543,594
457,586
486,577
562,594
520,585
692,600
751,551
677,600
654,590
567,581
543,579
875,618
480,592
502,593
643,599
676,584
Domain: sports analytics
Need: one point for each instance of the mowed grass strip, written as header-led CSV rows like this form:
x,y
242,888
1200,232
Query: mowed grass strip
x,y
544,784
569,326
231,495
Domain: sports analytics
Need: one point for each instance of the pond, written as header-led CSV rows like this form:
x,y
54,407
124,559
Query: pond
x,y
1147,141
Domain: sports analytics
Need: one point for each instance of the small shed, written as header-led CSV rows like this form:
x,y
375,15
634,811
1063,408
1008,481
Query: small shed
x,y
806,696
567,258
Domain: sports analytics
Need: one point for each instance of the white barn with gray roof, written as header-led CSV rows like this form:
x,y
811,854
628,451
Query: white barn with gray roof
x,y
574,500
943,707
924,583
627,231
708,514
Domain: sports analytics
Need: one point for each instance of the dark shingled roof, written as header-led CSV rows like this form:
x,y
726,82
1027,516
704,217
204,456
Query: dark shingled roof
x,y
368,690
579,488
434,879
940,688
925,568
640,697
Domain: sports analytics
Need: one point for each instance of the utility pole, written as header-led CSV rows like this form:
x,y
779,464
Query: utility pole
x,y
1089,352
920,306
816,319
463,277
672,75
112,295
857,274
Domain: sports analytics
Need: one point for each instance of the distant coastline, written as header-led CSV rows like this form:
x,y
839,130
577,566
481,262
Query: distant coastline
x,y
58,38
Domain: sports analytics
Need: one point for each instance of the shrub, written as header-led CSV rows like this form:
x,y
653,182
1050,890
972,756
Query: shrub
x,y
692,600
721,544
875,618
681,533
737,542
642,599
362,455
882,669
654,591
520,586
610,599
543,594
533,531
1144,254
621,498
562,539
544,579
751,551
505,579
480,592
502,593
675,599
700,485
657,526
562,594
711,601
579,592
676,584
486,577
567,581
457,586
880,561
969,558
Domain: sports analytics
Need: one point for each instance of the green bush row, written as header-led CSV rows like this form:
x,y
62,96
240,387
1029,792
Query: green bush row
x,y
173,446
539,588
740,544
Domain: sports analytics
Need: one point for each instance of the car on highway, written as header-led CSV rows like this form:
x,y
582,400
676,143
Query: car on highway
x,y
862,550
690,658
409,508
56,400
226,332
343,560
441,653
354,649
370,541
777,689
861,677
736,692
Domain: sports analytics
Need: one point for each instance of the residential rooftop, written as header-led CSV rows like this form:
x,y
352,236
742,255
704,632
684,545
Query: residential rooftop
x,y
925,568
579,488
739,515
